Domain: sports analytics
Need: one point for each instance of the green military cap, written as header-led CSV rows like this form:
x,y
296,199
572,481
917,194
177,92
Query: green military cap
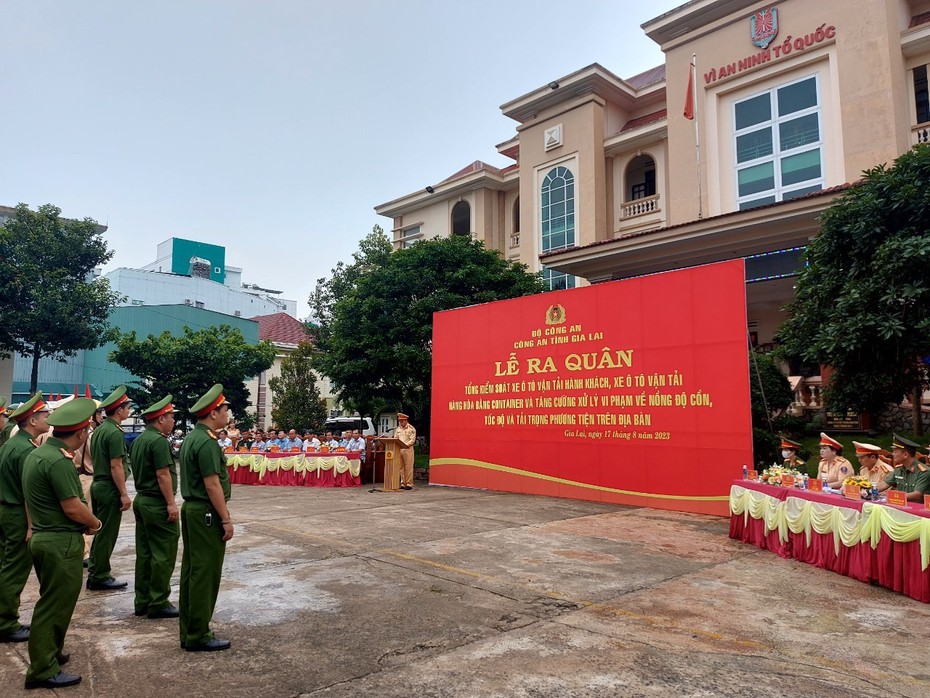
x,y
163,406
114,400
788,443
906,444
74,415
32,406
2,403
212,399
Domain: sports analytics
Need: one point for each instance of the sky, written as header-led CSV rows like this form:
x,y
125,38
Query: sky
x,y
274,127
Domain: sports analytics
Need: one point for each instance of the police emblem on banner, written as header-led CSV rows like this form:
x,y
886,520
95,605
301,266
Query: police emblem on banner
x,y
763,27
555,315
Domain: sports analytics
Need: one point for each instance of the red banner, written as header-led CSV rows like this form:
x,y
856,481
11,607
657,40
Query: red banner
x,y
631,392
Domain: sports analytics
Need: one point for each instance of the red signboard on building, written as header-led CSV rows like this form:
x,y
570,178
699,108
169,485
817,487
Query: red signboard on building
x,y
630,392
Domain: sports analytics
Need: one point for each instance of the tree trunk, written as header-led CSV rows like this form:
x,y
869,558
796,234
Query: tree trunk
x,y
34,377
918,410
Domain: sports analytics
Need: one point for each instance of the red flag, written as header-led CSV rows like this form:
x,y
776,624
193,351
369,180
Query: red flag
x,y
75,390
87,390
689,98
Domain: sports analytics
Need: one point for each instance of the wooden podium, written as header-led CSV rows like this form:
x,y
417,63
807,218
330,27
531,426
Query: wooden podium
x,y
392,463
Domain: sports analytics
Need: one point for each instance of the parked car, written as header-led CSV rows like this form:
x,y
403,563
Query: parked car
x,y
341,424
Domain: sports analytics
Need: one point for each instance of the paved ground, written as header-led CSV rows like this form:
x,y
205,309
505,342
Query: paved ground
x,y
445,592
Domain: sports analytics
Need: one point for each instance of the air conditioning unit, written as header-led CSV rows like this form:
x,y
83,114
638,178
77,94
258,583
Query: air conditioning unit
x,y
238,313
188,301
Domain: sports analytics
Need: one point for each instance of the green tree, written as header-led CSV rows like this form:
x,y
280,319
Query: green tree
x,y
378,345
297,402
862,302
187,365
770,396
49,301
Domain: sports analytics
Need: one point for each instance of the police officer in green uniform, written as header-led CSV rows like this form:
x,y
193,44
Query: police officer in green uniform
x,y
108,494
58,516
6,426
205,522
15,562
156,479
910,475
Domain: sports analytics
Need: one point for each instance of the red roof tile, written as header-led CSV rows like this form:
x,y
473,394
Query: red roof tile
x,y
917,20
476,166
281,327
644,120
646,78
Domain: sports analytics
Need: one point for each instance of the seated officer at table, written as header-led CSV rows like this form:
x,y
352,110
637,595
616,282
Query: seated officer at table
x,y
789,451
833,466
873,467
909,476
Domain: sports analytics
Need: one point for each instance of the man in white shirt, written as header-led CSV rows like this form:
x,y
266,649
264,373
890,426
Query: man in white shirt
x,y
311,443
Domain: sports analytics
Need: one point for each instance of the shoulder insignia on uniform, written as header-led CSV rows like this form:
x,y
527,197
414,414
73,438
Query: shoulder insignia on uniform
x,y
66,454
922,468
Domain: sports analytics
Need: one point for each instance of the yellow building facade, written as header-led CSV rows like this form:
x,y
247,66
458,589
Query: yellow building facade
x,y
792,100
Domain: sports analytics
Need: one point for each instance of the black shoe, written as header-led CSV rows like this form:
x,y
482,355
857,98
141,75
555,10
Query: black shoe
x,y
21,634
406,487
64,658
86,562
59,680
166,612
106,585
214,645
140,613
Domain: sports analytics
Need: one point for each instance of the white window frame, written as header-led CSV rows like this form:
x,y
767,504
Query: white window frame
x,y
778,191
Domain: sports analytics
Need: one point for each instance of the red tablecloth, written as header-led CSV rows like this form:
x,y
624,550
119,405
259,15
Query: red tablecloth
x,y
243,475
891,564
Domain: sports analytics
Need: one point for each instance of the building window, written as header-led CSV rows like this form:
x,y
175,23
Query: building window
x,y
778,144
557,200
408,236
921,97
640,178
461,218
516,215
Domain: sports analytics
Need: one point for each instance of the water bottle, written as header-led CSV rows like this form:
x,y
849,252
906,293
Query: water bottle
x,y
874,493
824,480
804,482
745,473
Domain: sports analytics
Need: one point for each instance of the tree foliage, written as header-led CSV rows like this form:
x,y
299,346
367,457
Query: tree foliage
x,y
862,303
49,302
297,402
377,343
187,366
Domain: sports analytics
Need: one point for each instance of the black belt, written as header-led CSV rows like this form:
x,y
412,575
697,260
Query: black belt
x,y
10,504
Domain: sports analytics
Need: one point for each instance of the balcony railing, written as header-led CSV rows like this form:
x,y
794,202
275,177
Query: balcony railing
x,y
920,134
640,207
808,394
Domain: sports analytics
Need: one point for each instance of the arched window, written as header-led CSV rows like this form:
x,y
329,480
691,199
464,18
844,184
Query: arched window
x,y
461,218
557,217
516,215
640,178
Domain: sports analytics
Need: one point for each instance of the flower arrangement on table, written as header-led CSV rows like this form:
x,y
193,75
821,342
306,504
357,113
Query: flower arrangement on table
x,y
863,483
773,475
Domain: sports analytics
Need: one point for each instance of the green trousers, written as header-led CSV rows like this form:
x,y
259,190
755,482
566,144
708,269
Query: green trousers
x,y
57,558
201,571
15,564
105,502
156,553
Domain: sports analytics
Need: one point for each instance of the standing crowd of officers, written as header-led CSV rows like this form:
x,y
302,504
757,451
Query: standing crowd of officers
x,y
44,517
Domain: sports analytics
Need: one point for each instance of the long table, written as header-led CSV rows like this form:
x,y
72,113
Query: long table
x,y
295,469
872,542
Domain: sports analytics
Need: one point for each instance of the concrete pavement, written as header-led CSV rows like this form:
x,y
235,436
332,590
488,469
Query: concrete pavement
x,y
446,592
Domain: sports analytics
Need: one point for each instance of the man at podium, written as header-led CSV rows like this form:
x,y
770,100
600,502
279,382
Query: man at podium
x,y
407,435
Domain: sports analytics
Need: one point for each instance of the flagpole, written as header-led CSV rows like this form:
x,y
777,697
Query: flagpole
x,y
697,134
